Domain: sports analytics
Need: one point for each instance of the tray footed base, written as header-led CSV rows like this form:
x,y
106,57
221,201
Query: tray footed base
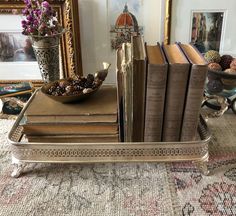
x,y
24,152
19,167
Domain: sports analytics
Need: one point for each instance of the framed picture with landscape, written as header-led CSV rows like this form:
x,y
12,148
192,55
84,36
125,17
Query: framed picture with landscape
x,y
17,59
206,24
206,30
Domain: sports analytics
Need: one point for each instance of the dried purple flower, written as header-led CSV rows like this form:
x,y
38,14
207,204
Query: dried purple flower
x,y
25,12
40,19
45,4
30,18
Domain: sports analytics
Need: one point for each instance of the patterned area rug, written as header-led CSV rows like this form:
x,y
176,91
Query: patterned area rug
x,y
215,194
124,189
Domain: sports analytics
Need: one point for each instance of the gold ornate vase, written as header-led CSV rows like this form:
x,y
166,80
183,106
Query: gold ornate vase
x,y
46,49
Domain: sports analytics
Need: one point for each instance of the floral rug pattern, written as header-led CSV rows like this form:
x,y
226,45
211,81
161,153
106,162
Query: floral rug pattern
x,y
93,189
123,189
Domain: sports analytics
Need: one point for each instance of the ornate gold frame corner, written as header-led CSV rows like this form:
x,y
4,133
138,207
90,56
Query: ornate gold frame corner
x,y
167,21
68,15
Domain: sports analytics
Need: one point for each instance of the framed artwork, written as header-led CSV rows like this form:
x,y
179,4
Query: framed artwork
x,y
126,20
15,47
206,30
207,24
17,60
105,24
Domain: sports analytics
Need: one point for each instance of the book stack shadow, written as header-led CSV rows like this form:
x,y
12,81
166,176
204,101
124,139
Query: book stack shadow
x,y
163,91
93,120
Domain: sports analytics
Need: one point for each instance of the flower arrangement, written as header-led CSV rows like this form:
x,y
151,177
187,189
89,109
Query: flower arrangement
x,y
40,19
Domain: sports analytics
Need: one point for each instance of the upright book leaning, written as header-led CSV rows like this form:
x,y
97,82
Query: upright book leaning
x,y
195,91
125,95
139,87
155,95
178,72
120,93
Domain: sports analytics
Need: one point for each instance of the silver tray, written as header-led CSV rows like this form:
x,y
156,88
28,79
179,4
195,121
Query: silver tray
x,y
24,151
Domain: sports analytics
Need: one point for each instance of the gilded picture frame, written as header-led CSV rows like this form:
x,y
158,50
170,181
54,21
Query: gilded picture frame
x,y
68,16
167,21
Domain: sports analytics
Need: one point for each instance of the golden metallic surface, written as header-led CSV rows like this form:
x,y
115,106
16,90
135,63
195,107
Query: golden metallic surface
x,y
167,21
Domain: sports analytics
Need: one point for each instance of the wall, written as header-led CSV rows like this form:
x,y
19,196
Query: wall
x,y
95,36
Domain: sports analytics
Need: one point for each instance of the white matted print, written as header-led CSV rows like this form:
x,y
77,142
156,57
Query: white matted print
x,y
126,20
181,21
16,47
17,60
96,18
207,30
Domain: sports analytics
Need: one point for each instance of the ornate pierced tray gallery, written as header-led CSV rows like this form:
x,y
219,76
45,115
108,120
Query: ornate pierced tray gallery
x,y
24,152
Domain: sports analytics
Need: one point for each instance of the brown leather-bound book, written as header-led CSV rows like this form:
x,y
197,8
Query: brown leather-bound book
x,y
75,138
139,87
155,95
100,107
178,72
70,128
195,91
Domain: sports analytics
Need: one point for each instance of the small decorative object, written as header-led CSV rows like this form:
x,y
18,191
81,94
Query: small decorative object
x,y
14,105
225,61
15,89
233,64
212,56
214,86
75,89
43,29
221,81
214,66
230,71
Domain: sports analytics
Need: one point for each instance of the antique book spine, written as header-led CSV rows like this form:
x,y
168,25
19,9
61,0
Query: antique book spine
x,y
155,95
124,82
74,139
56,129
120,93
197,77
193,102
109,118
139,88
178,72
128,92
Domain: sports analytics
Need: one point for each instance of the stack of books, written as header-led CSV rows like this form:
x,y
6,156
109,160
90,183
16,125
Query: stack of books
x,y
167,87
88,121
